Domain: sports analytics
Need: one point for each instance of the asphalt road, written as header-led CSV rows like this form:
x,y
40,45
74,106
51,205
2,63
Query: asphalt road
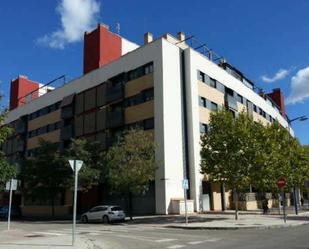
x,y
144,236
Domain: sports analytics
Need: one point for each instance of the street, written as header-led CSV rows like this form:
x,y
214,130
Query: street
x,y
144,236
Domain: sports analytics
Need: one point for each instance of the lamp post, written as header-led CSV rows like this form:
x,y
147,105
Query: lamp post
x,y
301,118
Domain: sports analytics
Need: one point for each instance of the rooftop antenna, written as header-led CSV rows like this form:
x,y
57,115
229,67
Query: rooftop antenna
x,y
118,28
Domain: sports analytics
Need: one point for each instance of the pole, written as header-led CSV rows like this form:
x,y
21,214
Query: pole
x,y
186,208
10,205
284,214
75,202
295,201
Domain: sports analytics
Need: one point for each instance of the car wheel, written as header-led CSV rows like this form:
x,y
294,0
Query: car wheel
x,y
105,219
85,219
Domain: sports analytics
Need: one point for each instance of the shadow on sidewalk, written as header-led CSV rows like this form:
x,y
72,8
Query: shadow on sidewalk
x,y
174,220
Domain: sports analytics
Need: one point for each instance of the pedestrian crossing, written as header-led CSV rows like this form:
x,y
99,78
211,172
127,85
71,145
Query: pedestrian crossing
x,y
137,233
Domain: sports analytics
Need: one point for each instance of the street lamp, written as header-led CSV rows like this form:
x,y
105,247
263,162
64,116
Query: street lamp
x,y
301,118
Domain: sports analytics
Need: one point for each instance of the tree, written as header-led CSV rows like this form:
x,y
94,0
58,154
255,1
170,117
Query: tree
x,y
7,169
131,164
47,175
226,151
93,171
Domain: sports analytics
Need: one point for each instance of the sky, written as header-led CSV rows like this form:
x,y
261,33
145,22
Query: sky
x,y
268,40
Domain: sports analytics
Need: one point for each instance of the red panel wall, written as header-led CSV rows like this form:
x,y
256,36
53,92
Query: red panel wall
x,y
100,48
21,87
278,98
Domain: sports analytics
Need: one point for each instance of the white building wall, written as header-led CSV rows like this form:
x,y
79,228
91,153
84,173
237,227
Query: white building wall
x,y
170,114
196,61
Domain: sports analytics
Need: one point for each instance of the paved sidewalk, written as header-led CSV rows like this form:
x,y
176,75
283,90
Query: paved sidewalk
x,y
224,221
21,239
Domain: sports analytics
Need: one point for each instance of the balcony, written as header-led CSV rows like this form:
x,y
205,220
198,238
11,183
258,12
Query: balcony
x,y
66,132
231,102
67,112
114,93
114,119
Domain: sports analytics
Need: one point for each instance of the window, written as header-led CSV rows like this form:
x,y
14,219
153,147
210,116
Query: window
x,y
148,124
148,95
58,125
212,82
229,91
240,98
203,128
201,76
149,68
254,108
213,106
202,102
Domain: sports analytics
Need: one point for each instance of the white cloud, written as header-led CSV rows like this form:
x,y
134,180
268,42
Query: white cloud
x,y
299,86
281,74
77,16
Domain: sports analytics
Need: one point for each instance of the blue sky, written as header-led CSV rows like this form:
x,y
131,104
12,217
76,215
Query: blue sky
x,y
261,38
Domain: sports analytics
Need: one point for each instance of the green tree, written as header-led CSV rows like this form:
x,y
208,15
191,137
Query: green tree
x,y
47,175
227,153
7,169
131,164
93,171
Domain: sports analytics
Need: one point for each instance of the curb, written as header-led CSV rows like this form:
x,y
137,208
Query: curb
x,y
236,228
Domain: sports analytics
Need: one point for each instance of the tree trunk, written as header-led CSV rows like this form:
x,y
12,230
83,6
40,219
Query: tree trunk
x,y
53,206
236,203
130,205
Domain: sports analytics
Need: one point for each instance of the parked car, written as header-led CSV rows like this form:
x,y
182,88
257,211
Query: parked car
x,y
15,212
105,214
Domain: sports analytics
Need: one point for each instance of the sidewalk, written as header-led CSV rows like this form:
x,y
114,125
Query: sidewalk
x,y
21,239
223,221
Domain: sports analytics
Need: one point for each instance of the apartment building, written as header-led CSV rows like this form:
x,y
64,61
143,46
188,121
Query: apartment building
x,y
164,86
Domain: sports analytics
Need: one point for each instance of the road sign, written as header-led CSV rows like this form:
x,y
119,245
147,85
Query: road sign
x,y
185,184
78,164
307,184
281,182
11,185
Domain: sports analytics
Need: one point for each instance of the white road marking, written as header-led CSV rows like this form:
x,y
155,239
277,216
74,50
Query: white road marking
x,y
165,240
135,237
175,246
195,242
47,233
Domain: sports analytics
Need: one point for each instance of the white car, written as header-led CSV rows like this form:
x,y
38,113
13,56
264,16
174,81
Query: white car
x,y
105,214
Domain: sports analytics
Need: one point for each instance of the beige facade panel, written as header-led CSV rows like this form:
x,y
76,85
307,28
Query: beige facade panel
x,y
134,87
210,93
259,118
49,118
139,112
241,107
204,115
52,137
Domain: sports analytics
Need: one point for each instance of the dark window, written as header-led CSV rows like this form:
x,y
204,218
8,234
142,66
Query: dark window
x,y
240,98
203,102
148,95
203,128
201,76
254,108
90,99
43,111
116,208
149,124
212,82
58,125
149,68
214,106
51,127
229,91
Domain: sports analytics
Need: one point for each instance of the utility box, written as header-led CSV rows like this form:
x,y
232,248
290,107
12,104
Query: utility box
x,y
177,206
